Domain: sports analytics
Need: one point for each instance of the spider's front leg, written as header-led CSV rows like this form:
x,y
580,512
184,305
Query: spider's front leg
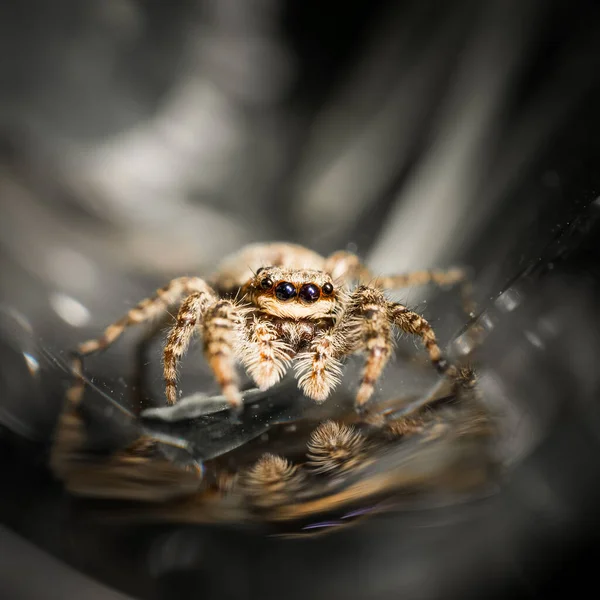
x,y
221,323
374,316
189,316
222,331
370,311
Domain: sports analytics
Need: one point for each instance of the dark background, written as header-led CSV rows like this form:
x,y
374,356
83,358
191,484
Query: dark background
x,y
140,140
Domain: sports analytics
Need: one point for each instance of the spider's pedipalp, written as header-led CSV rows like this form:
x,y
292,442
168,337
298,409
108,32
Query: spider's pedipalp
x,y
335,447
271,481
265,356
319,370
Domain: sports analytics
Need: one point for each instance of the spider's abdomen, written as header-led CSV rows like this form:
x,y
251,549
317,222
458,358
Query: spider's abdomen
x,y
236,270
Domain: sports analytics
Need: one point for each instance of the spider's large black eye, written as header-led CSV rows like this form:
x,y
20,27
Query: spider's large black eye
x,y
309,293
327,288
285,291
266,283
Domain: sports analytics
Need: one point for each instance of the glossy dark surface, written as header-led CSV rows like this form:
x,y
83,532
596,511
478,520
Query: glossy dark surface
x,y
285,291
309,293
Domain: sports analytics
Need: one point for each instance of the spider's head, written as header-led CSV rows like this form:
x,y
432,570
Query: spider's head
x,y
293,293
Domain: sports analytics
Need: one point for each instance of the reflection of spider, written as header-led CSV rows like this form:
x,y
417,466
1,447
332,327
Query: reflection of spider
x,y
271,304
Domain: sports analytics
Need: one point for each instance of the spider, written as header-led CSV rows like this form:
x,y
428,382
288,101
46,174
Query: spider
x,y
271,305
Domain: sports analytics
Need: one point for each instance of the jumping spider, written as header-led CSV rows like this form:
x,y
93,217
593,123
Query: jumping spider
x,y
273,304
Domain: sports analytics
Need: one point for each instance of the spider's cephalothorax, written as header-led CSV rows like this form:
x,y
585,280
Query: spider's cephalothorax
x,y
292,294
271,305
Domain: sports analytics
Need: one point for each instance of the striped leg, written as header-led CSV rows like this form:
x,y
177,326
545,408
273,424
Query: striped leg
x,y
366,326
415,324
449,277
146,310
347,266
370,310
441,278
222,332
188,317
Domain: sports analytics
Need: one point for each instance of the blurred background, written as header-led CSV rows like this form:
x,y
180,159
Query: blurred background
x,y
142,140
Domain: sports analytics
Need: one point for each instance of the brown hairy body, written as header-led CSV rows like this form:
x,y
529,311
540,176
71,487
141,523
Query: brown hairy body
x,y
276,306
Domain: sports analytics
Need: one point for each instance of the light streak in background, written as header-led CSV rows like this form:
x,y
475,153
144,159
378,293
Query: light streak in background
x,y
431,217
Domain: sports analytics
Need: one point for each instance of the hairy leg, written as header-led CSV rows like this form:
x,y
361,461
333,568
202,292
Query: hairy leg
x,y
264,355
377,315
146,310
370,309
222,330
365,325
413,323
348,267
189,316
139,389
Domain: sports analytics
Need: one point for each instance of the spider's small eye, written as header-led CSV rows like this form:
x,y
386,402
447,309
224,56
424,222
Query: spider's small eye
x,y
266,283
327,288
285,291
309,293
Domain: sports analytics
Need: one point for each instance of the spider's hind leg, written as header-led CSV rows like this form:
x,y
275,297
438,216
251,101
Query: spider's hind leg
x,y
442,278
347,266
